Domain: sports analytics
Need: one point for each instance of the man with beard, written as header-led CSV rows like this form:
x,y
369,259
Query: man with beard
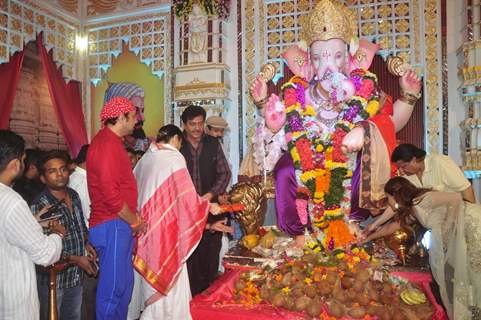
x,y
210,174
22,242
54,174
29,185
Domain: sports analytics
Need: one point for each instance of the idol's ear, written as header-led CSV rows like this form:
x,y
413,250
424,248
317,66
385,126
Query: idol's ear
x,y
363,56
298,61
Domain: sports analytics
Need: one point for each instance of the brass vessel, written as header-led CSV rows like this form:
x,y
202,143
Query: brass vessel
x,y
400,241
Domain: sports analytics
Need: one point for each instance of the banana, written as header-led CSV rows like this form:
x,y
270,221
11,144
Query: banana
x,y
413,296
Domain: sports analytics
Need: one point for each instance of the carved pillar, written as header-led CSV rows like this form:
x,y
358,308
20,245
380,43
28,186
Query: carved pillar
x,y
202,76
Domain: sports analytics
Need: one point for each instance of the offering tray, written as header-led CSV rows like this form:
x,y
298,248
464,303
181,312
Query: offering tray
x,y
239,257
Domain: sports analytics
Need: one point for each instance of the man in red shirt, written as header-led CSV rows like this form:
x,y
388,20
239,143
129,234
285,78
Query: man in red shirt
x,y
113,220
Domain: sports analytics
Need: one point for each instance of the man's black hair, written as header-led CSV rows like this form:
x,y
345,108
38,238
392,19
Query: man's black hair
x,y
113,121
82,154
12,146
49,155
130,150
192,112
31,157
406,152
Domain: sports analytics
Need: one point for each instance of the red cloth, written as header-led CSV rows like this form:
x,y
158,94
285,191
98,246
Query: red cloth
x,y
9,75
115,107
384,123
175,216
66,101
209,304
110,180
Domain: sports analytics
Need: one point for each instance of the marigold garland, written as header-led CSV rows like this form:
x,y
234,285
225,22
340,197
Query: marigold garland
x,y
321,166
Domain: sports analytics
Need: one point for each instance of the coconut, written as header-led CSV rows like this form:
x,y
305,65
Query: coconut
x,y
357,312
239,285
287,279
397,314
297,292
302,303
324,287
358,286
363,275
290,304
347,282
279,299
310,291
314,309
332,277
363,299
336,309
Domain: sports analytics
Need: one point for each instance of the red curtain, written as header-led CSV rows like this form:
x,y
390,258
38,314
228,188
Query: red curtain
x,y
9,75
66,100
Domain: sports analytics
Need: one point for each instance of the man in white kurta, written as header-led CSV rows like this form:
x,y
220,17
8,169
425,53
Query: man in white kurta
x,y
175,217
440,173
22,242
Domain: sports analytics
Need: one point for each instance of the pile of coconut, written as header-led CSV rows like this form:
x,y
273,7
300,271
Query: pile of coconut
x,y
313,287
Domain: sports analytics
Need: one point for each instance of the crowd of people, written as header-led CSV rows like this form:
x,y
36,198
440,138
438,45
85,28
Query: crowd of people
x,y
139,234
86,216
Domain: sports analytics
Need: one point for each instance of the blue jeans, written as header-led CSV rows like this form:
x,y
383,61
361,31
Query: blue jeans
x,y
113,242
69,302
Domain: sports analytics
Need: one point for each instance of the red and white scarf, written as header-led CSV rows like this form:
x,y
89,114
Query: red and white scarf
x,y
175,216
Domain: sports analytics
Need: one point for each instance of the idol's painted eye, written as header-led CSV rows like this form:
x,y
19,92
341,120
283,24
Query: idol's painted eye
x,y
338,55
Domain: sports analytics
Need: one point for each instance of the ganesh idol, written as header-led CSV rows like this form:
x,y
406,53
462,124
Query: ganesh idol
x,y
328,137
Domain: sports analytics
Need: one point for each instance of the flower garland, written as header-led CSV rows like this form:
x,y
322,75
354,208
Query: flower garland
x,y
219,8
322,169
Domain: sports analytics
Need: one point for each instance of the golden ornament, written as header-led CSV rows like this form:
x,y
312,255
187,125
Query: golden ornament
x,y
329,20
268,71
397,66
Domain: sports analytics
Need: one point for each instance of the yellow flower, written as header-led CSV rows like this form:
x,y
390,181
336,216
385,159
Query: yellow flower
x,y
295,155
333,213
309,111
317,249
318,195
340,256
356,259
372,107
306,176
355,250
320,148
360,99
311,244
297,134
308,280
333,165
293,107
286,290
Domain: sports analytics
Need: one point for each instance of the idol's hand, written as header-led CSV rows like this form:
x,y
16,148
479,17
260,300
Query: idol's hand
x,y
353,141
258,91
410,83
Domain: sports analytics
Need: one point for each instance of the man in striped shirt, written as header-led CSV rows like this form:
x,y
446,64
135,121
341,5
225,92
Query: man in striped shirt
x,y
22,242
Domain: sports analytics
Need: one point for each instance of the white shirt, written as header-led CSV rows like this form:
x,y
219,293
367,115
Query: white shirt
x,y
22,243
78,182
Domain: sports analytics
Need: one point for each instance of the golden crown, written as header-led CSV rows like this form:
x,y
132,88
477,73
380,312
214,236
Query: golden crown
x,y
329,20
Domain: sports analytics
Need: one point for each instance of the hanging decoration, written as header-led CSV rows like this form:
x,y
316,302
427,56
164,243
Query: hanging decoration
x,y
219,8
